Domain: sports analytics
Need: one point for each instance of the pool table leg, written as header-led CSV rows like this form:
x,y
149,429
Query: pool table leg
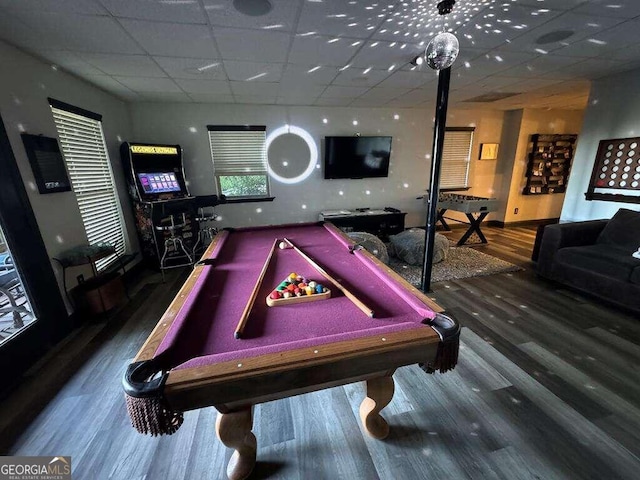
x,y
234,431
379,394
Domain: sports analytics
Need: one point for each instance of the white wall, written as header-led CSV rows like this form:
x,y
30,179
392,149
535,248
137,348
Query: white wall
x,y
25,84
613,112
408,175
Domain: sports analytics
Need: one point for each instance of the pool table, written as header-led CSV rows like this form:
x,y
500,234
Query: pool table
x,y
193,360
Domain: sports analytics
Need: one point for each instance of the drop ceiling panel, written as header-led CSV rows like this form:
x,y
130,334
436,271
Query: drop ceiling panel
x,y
196,68
19,34
500,84
126,65
552,4
139,45
164,97
344,92
82,33
592,68
585,48
254,89
172,39
385,93
70,61
368,102
84,7
546,66
382,55
252,45
496,61
490,32
308,75
347,19
211,98
417,96
313,91
522,85
583,26
461,80
175,11
296,100
402,103
331,102
255,99
321,51
611,8
410,79
253,71
148,84
281,17
356,77
111,85
204,86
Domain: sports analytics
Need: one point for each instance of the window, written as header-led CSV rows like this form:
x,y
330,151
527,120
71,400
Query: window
x,y
87,160
239,160
456,156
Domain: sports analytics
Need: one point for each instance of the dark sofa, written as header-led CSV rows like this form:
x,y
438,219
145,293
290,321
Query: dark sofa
x,y
595,257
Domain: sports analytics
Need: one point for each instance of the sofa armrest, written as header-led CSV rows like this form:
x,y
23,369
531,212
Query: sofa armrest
x,y
564,235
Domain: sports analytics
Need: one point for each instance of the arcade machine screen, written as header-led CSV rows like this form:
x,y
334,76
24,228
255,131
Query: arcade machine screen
x,y
159,182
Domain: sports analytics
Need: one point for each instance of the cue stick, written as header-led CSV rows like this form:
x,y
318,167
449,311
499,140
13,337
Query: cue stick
x,y
357,302
247,309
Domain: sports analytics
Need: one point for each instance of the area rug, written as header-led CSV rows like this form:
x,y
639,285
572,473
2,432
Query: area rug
x,y
461,262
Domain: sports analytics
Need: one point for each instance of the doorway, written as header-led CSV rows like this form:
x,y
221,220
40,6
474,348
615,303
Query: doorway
x,y
16,313
33,316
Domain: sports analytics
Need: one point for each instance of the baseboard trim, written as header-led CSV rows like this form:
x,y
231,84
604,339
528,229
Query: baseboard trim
x,y
524,223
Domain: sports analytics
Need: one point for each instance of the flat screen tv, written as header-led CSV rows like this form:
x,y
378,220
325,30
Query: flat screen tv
x,y
356,157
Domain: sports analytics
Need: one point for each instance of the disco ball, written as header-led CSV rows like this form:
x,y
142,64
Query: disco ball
x,y
442,51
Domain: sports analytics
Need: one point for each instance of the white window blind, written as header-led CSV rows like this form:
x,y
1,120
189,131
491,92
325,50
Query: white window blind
x,y
239,160
456,156
238,152
89,168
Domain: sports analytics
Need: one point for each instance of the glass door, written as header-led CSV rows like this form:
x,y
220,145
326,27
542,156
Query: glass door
x,y
16,313
28,286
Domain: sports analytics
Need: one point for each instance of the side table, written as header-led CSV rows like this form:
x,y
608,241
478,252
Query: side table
x,y
102,291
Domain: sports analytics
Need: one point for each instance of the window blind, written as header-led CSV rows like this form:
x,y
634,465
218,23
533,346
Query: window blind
x,y
456,156
87,160
237,151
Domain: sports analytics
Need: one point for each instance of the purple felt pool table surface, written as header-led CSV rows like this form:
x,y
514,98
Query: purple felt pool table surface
x,y
195,337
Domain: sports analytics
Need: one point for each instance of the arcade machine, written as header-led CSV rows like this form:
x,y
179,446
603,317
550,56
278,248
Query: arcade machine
x,y
165,213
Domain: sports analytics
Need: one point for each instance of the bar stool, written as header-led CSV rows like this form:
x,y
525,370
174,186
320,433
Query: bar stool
x,y
205,216
176,213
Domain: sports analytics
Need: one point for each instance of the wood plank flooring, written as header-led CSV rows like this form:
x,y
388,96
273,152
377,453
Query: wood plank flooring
x,y
548,387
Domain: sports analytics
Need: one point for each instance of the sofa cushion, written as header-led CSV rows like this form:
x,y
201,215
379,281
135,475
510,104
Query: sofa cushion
x,y
635,275
606,260
623,230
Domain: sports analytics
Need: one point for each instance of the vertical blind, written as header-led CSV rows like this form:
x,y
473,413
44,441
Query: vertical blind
x,y
85,154
456,156
238,150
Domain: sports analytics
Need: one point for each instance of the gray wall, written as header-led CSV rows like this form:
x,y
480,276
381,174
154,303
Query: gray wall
x,y
613,112
25,84
411,130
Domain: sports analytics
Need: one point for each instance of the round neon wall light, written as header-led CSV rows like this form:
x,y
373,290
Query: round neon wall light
x,y
311,144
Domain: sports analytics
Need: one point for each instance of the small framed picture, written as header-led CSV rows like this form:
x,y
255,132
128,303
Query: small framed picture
x,y
489,151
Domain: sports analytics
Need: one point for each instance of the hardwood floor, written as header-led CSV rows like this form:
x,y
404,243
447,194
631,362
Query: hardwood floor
x,y
547,387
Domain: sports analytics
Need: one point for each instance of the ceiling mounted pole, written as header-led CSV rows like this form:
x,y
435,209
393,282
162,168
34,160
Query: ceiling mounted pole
x,y
444,78
440,54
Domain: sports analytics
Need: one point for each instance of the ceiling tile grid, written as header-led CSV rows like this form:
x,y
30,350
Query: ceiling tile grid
x,y
313,52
